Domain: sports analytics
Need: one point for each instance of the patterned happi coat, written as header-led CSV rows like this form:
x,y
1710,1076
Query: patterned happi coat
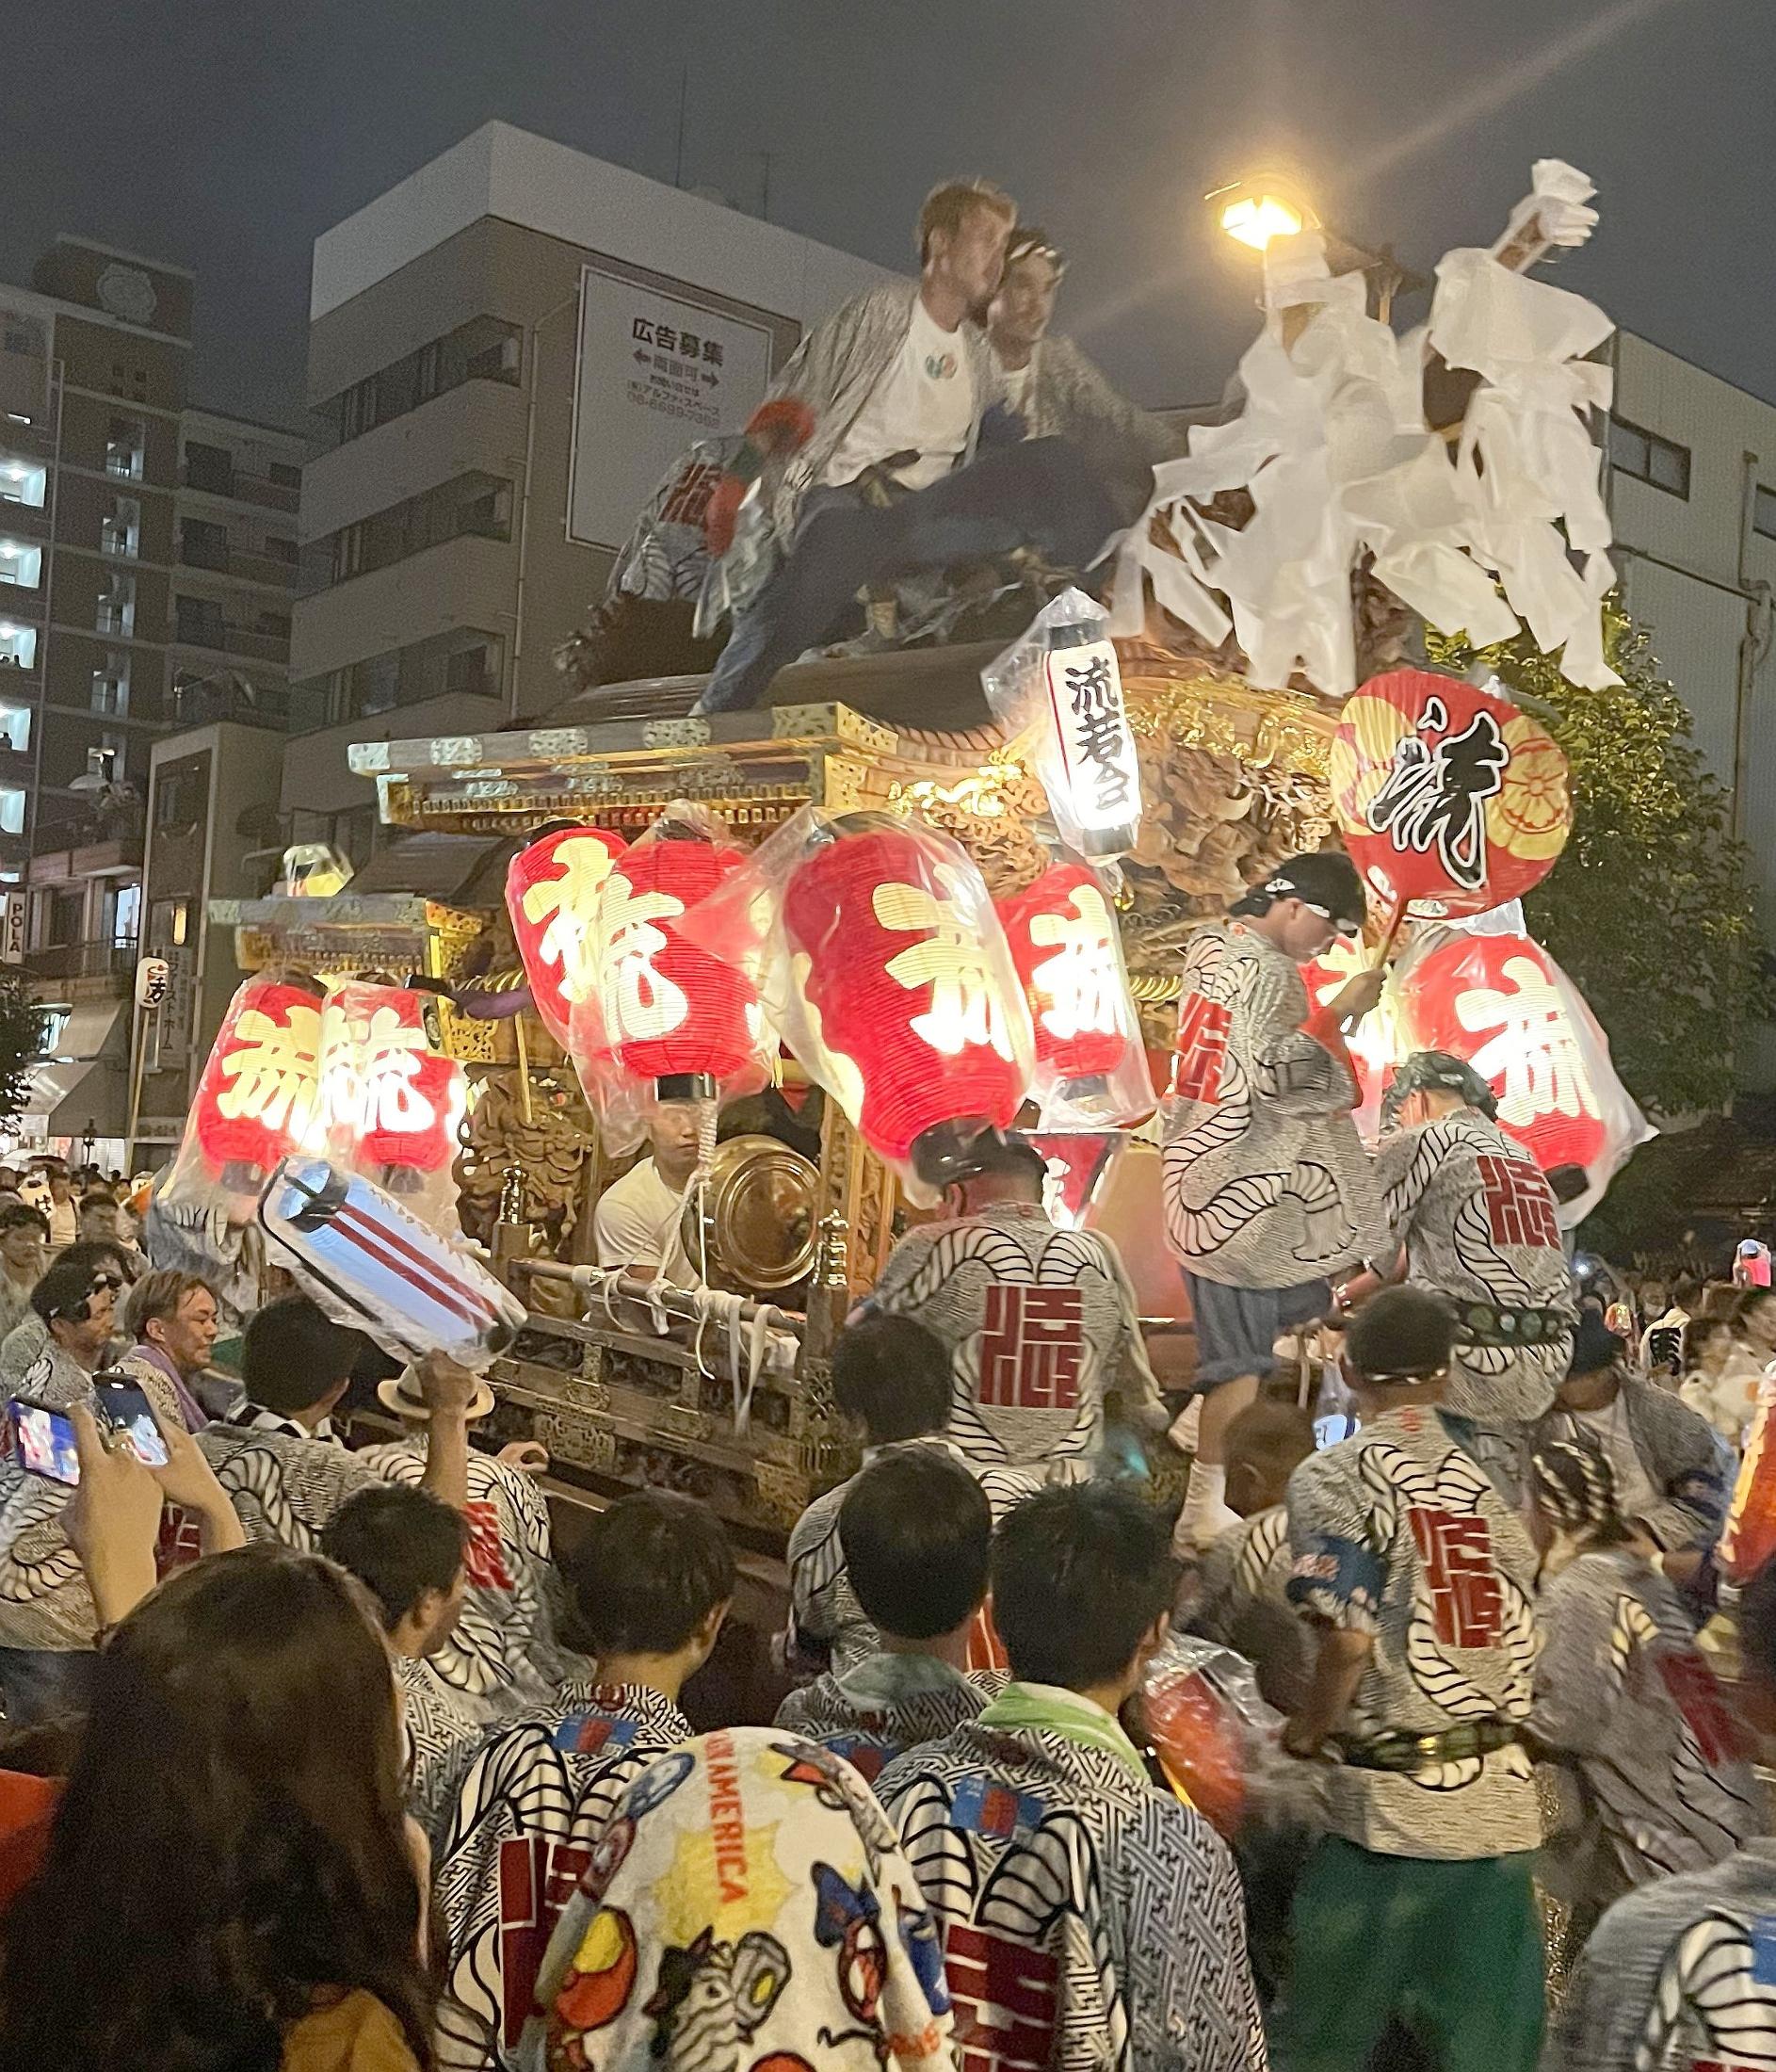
x,y
1625,1697
441,1733
1091,1922
1398,1533
1242,1603
884,1706
1266,1182
1679,1977
528,1812
1038,1322
1476,1218
505,1653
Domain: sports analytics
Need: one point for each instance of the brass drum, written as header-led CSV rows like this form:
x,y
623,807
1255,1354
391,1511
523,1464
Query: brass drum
x,y
757,1217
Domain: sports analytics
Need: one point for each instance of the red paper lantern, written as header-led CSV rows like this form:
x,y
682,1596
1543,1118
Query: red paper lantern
x,y
551,892
256,1100
387,1088
1448,797
903,983
1062,938
672,1011
1495,1000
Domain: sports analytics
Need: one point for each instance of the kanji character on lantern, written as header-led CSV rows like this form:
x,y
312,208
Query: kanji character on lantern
x,y
551,892
393,1100
1091,1070
951,959
257,1097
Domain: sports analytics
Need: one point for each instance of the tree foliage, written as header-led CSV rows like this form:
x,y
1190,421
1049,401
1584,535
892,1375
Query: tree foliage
x,y
1651,908
21,1040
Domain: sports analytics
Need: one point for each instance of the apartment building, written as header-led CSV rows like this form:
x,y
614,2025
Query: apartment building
x,y
147,563
505,351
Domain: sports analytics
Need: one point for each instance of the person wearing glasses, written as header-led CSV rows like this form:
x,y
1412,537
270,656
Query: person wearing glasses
x,y
1268,1192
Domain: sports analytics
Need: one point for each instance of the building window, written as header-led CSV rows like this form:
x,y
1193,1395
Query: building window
x,y
111,685
274,625
278,548
21,563
483,350
125,916
199,622
203,545
11,809
1648,458
1764,511
284,475
24,483
209,468
15,728
18,646
120,528
116,607
477,504
126,445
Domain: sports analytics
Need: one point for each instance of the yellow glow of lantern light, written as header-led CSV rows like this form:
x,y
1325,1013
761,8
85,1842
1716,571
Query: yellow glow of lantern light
x,y
1254,220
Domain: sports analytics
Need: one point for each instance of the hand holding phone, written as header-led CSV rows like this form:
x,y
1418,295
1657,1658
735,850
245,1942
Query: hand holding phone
x,y
43,1439
122,1407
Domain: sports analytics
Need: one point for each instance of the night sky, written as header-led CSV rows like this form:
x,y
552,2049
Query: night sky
x,y
226,134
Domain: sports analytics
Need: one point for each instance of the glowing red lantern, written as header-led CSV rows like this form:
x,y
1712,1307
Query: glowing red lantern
x,y
1448,797
672,1011
257,1097
1063,942
551,892
905,981
392,1099
1497,1001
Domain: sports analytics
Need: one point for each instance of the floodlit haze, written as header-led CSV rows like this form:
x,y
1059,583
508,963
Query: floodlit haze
x,y
226,134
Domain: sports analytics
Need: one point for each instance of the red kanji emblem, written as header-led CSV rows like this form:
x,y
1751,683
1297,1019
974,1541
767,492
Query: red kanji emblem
x,y
1519,1202
1006,1996
1202,1027
1467,1606
1032,1349
485,1557
537,1879
1696,1694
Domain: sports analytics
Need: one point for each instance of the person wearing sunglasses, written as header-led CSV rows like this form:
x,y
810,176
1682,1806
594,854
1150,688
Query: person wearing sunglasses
x,y
1268,1192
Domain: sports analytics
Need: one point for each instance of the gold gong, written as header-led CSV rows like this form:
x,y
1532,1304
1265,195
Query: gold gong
x,y
757,1217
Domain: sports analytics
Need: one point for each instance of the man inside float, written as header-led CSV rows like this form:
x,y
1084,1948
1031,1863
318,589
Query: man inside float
x,y
1039,1323
639,1222
1056,390
885,448
1268,1189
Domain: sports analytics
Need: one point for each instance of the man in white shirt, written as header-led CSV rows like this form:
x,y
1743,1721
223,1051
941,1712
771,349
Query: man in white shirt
x,y
897,392
636,1225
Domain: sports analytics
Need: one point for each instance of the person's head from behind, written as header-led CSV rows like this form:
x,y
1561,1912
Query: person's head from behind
x,y
652,1578
893,1376
78,1303
964,229
23,1237
295,1361
1024,306
673,1141
1305,904
1000,1169
232,1841
1083,1582
408,1550
1572,1498
1707,1344
98,1214
1593,1373
917,1536
1432,1085
1757,1321
1264,1446
174,1314
1398,1349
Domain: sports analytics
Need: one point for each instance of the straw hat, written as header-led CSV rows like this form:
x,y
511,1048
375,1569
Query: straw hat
x,y
402,1395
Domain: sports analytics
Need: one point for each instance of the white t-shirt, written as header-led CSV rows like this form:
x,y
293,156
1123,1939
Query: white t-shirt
x,y
636,1223
924,402
1635,1494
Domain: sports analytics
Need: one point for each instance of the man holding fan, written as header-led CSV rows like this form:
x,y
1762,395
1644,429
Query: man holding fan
x,y
1268,1189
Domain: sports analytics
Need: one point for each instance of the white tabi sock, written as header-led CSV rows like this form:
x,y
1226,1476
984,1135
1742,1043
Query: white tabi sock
x,y
1205,1516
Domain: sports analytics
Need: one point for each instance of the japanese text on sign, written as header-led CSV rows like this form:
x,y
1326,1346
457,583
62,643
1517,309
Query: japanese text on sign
x,y
1096,749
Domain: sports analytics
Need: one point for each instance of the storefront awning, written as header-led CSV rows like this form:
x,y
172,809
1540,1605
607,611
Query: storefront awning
x,y
86,1081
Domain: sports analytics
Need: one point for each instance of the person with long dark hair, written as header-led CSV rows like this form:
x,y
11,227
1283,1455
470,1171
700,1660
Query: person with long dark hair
x,y
231,1885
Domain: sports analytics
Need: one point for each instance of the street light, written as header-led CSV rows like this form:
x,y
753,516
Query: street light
x,y
1256,219
1258,211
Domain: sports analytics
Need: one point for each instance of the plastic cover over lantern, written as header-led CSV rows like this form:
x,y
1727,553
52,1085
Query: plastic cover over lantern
x,y
552,891
670,1015
257,1097
392,1099
1091,1070
884,969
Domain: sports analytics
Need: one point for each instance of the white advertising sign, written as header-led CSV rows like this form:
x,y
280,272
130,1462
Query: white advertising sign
x,y
654,373
13,930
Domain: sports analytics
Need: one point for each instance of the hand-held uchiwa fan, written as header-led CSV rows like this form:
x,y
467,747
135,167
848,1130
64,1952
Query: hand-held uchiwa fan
x,y
1449,798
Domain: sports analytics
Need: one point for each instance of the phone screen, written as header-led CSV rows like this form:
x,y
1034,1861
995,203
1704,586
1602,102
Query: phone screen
x,y
122,1406
45,1441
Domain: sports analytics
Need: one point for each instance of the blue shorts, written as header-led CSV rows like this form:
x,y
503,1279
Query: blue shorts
x,y
1237,1328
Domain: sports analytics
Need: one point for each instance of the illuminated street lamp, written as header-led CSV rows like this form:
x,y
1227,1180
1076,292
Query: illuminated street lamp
x,y
1257,214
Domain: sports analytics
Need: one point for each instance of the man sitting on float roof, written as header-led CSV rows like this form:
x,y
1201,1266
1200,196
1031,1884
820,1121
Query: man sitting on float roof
x,y
637,1221
878,425
1039,1323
